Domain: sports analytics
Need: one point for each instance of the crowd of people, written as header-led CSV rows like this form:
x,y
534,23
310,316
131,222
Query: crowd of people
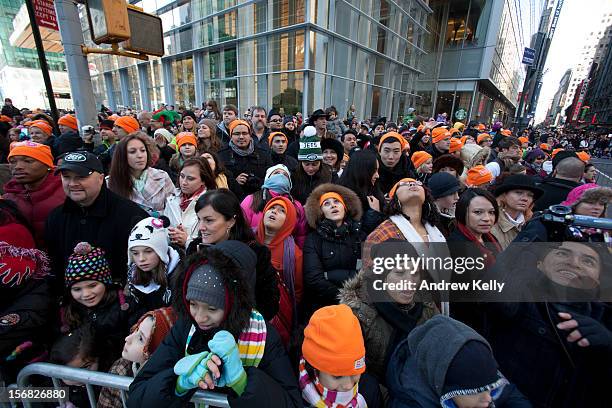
x,y
208,249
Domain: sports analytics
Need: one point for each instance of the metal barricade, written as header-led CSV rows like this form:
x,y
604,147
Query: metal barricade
x,y
91,378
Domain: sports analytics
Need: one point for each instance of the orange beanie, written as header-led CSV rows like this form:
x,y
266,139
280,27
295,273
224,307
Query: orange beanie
x,y
506,132
455,145
333,342
439,134
403,143
478,175
37,151
396,185
70,121
523,139
4,118
545,147
127,123
272,135
42,125
482,137
184,138
584,156
481,127
331,194
555,151
237,122
453,130
420,157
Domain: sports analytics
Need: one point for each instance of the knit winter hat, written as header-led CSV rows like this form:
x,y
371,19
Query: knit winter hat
x,y
163,320
165,133
394,135
206,285
185,138
150,233
70,121
523,139
310,146
588,193
439,134
237,122
333,342
482,137
545,147
459,126
584,156
87,263
555,151
472,368
455,145
272,135
506,132
478,175
243,257
127,123
42,125
37,151
420,157
20,260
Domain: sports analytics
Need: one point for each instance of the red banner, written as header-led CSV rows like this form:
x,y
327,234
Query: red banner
x,y
45,14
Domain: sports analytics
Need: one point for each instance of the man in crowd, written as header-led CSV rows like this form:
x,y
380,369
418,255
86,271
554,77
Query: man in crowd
x,y
568,170
230,112
260,127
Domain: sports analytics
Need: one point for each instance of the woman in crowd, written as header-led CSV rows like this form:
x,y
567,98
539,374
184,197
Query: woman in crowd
x,y
333,152
333,247
187,146
218,319
423,165
207,136
274,231
223,177
386,316
534,161
212,111
311,170
515,196
220,219
132,177
189,122
41,131
332,365
151,263
195,178
34,187
276,183
591,200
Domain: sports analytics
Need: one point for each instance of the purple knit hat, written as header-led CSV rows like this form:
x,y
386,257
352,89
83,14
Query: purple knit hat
x,y
87,263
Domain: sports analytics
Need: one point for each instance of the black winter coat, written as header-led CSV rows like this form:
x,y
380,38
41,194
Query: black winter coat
x,y
271,384
330,258
289,161
304,184
555,191
388,177
255,165
106,224
535,355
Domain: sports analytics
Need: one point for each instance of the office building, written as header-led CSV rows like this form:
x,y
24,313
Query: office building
x,y
297,54
555,112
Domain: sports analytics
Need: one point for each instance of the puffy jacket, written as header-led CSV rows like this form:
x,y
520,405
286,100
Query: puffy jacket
x,y
36,205
254,164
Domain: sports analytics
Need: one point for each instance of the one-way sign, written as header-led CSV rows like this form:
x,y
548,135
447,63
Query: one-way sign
x,y
529,56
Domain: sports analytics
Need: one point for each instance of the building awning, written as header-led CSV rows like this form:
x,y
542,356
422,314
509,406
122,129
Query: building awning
x,y
22,34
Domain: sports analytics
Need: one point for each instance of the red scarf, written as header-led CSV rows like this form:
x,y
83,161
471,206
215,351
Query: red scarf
x,y
488,238
186,199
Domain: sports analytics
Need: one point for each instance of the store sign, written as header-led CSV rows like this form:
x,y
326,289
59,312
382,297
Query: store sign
x,y
44,11
460,114
529,56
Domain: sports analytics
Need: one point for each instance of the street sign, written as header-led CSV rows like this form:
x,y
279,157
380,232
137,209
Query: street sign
x,y
146,35
108,21
529,56
44,11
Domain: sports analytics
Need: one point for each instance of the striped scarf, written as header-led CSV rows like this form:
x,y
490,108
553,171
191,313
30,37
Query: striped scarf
x,y
320,397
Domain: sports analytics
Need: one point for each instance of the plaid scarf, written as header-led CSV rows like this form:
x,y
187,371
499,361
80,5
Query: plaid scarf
x,y
320,397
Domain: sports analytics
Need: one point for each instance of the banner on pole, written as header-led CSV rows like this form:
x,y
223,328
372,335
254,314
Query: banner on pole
x,y
44,10
529,56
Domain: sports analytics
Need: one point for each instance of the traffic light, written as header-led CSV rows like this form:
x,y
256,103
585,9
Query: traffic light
x,y
108,21
148,38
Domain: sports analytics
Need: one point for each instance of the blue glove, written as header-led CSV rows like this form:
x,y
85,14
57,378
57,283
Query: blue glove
x,y
190,370
232,374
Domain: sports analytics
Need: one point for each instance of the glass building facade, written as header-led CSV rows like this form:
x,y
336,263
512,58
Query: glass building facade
x,y
472,65
298,54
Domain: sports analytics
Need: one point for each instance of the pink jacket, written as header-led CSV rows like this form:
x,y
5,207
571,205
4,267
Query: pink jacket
x,y
252,218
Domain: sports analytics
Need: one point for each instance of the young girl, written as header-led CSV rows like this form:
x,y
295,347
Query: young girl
x,y
274,231
220,341
186,144
93,298
332,366
151,263
77,349
145,336
423,164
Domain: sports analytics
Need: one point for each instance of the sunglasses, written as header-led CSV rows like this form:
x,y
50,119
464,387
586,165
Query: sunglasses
x,y
410,184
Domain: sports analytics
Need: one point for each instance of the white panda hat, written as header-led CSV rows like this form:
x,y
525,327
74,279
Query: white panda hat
x,y
153,233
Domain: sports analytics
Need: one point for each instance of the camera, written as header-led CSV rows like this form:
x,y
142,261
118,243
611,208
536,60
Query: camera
x,y
563,225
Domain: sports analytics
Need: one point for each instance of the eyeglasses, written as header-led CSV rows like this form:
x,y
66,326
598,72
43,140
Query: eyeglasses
x,y
411,183
276,120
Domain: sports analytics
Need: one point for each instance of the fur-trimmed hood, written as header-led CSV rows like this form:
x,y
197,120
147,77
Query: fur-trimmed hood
x,y
354,293
472,153
313,210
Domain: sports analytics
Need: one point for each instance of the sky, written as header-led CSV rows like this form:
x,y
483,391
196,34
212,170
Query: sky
x,y
572,30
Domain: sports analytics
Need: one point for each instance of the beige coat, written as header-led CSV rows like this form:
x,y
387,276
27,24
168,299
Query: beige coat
x,y
505,231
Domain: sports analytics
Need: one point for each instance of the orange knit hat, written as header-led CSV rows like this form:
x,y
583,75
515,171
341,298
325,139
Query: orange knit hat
x,y
70,121
545,146
455,145
184,138
478,175
555,151
333,342
523,139
396,185
272,135
403,143
163,320
420,157
331,194
506,132
454,130
127,123
4,118
237,122
584,156
481,127
42,125
37,151
439,134
482,137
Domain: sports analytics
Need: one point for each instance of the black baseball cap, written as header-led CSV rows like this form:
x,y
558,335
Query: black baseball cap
x,y
82,163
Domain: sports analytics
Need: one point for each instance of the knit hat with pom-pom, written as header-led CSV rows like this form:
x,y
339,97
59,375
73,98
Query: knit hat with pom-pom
x,y
87,263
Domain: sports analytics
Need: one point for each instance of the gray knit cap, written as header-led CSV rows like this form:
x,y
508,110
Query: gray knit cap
x,y
206,285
